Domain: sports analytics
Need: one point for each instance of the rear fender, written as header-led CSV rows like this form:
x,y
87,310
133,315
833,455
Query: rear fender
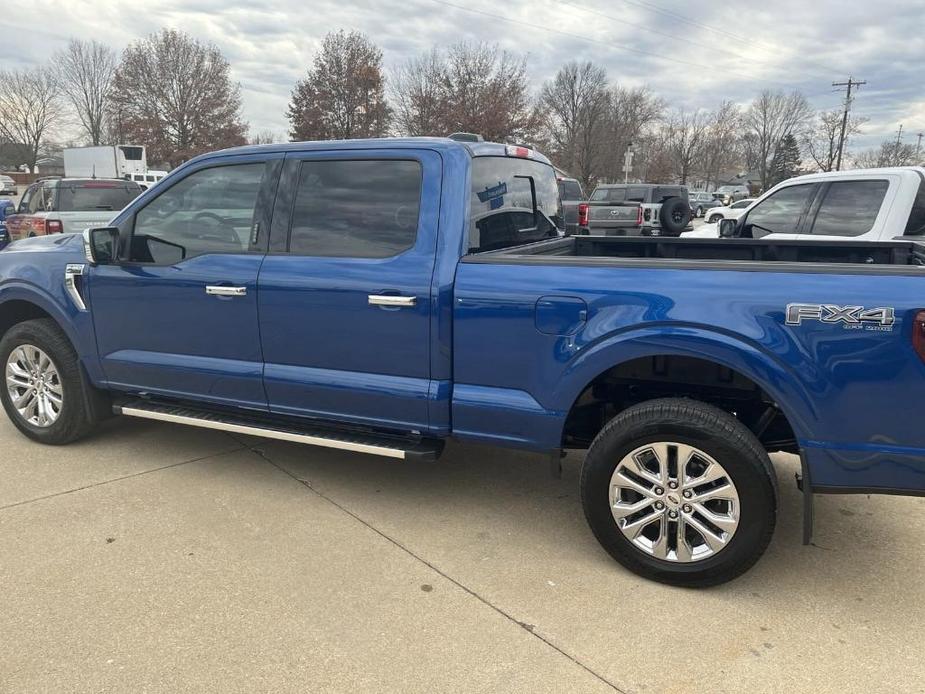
x,y
791,391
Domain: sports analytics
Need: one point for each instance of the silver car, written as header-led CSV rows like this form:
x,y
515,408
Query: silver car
x,y
7,185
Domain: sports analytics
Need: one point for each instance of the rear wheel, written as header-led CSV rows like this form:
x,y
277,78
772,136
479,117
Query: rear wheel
x,y
679,492
45,392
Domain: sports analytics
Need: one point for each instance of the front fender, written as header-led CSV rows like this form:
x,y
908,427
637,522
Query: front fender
x,y
77,325
791,385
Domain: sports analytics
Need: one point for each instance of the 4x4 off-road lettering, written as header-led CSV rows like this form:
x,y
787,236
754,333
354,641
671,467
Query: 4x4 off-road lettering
x,y
850,316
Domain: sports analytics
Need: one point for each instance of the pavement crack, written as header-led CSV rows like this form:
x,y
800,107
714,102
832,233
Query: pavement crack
x,y
528,628
123,477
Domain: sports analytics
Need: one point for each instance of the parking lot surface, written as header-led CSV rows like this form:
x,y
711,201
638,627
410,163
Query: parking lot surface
x,y
158,558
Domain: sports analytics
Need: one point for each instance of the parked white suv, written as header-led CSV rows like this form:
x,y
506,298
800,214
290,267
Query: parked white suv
x,y
863,205
7,185
733,211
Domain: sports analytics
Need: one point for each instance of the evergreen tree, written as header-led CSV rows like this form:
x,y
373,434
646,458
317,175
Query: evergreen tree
x,y
786,162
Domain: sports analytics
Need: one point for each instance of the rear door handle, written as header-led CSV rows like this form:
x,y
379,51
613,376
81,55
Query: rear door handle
x,y
216,290
391,300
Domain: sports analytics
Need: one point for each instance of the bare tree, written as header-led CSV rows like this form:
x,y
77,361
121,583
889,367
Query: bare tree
x,y
722,148
343,94
30,106
470,87
85,70
685,132
890,153
770,118
416,88
263,137
575,107
631,115
486,91
821,140
174,94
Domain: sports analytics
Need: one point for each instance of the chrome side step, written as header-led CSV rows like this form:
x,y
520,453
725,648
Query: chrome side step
x,y
386,446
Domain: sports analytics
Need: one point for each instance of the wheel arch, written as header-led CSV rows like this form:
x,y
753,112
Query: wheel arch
x,y
778,380
21,301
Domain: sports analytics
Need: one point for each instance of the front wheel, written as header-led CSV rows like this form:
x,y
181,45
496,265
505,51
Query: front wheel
x,y
680,492
45,392
713,219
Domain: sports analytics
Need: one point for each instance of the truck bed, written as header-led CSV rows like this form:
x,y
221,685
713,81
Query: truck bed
x,y
904,257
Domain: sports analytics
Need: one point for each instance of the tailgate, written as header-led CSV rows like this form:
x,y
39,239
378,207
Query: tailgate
x,y
78,221
614,215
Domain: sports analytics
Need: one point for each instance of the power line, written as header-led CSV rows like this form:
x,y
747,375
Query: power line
x,y
673,37
844,120
681,18
609,44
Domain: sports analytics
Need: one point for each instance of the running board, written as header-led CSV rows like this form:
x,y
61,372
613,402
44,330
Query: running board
x,y
371,443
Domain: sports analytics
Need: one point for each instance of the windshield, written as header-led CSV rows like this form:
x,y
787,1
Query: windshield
x,y
501,208
84,196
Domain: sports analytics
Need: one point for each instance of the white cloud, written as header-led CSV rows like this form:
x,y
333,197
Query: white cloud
x,y
723,50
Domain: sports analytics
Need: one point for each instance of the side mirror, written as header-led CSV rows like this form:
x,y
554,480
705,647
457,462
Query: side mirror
x,y
727,228
101,246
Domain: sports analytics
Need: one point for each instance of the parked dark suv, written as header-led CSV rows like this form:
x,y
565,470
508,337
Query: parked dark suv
x,y
639,209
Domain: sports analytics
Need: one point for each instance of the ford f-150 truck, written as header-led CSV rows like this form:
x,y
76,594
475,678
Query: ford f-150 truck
x,y
377,296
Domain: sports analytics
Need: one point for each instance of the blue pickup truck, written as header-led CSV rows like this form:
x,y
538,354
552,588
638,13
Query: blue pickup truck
x,y
383,296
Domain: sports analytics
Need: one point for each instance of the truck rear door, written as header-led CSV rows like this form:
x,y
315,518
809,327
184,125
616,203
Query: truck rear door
x,y
344,295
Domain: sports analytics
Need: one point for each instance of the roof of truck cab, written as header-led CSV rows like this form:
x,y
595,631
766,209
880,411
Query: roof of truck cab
x,y
475,149
854,173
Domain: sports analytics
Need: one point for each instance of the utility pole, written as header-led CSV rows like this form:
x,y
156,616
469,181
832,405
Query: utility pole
x,y
850,84
918,146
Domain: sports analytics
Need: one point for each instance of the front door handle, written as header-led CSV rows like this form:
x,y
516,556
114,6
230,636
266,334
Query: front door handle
x,y
216,290
391,300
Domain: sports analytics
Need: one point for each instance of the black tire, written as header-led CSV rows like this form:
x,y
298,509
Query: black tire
x,y
698,212
713,218
714,432
82,405
674,216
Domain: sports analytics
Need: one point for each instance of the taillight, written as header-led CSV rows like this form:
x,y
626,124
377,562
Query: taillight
x,y
582,214
918,334
54,226
639,216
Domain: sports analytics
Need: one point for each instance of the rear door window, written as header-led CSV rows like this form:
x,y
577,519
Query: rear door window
x,y
916,224
782,212
356,208
849,208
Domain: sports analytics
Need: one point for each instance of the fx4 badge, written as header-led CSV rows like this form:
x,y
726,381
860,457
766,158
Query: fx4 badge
x,y
850,317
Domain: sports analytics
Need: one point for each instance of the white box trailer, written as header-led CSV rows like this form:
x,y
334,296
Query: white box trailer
x,y
111,161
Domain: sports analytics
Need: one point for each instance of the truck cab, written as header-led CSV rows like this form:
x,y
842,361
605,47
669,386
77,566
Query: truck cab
x,y
858,205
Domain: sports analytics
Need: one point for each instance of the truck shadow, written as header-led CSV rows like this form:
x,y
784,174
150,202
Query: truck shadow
x,y
480,504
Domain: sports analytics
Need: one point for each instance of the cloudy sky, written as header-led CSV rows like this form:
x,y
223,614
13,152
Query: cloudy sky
x,y
692,53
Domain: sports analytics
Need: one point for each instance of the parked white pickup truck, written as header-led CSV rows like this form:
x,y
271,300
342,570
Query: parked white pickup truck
x,y
863,205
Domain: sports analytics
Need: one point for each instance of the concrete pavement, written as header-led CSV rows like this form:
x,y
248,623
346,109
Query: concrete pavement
x,y
160,558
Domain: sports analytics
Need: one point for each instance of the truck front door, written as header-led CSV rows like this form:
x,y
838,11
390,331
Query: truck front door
x,y
345,293
177,315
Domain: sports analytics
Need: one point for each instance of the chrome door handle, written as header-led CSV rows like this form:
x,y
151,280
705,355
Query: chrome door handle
x,y
391,300
216,290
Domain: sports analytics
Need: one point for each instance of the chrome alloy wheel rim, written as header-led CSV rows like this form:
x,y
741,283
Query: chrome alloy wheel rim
x,y
34,386
674,502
